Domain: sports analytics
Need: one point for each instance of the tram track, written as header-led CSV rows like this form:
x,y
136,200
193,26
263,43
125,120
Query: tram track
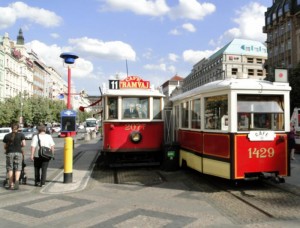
x,y
250,202
242,198
268,199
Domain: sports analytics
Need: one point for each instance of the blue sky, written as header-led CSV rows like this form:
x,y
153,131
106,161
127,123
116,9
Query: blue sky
x,y
158,38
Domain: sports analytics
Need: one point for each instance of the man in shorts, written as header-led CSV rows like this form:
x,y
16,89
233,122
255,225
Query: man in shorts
x,y
13,143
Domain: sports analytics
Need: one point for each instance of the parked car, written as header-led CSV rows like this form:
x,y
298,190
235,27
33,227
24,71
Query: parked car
x,y
4,131
29,132
56,128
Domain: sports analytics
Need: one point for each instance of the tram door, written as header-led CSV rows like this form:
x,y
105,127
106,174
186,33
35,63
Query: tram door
x,y
168,126
176,123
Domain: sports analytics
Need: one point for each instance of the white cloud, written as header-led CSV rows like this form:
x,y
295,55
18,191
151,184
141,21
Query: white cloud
x,y
141,7
249,19
172,69
161,67
116,50
85,48
148,54
189,27
49,54
19,10
193,56
7,17
190,9
175,32
55,35
173,57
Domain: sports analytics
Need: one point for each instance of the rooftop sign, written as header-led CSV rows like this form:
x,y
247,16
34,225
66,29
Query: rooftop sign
x,y
130,82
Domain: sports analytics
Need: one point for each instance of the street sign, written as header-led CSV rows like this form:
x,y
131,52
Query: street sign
x,y
68,120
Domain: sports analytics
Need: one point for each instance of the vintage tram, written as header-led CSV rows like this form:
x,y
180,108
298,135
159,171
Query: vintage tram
x,y
234,128
132,122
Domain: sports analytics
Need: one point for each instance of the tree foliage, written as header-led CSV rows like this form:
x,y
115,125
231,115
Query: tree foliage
x,y
35,110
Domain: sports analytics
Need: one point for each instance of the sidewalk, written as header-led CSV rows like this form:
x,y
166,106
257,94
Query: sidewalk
x,y
84,158
84,155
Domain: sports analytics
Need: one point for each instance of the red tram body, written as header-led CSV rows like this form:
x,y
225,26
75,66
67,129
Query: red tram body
x,y
132,125
117,137
249,135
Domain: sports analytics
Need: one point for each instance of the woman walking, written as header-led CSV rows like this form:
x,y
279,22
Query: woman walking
x,y
41,163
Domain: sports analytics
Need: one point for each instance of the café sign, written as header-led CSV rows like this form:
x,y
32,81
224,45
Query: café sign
x,y
134,82
261,136
130,82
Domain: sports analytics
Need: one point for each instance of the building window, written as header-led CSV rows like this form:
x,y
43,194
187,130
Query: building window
x,y
250,72
249,60
234,71
286,7
259,61
259,73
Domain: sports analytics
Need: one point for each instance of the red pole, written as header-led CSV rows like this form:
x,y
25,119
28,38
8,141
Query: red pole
x,y
69,89
69,94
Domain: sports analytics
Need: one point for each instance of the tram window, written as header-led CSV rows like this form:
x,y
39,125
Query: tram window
x,y
156,108
216,108
260,112
196,123
185,114
112,108
135,107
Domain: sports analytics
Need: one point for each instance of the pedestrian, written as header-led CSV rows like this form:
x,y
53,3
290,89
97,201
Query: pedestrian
x,y
41,163
291,142
13,143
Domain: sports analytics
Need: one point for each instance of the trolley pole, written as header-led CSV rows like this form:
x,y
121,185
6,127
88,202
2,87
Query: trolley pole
x,y
69,59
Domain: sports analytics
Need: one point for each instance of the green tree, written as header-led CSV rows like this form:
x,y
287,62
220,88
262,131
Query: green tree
x,y
35,110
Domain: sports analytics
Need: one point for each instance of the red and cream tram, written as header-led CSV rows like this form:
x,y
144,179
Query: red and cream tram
x,y
132,125
234,128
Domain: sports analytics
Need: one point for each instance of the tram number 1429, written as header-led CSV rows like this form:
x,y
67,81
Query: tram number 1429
x,y
261,152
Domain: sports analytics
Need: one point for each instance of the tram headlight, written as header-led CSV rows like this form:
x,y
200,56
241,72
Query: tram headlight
x,y
135,136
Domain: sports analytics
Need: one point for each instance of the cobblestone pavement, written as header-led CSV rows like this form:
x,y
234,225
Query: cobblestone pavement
x,y
89,203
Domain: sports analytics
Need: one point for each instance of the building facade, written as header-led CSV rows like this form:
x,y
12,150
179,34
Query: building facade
x,y
169,86
22,72
238,59
282,26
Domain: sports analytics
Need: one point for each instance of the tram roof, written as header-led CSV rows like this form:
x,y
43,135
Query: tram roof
x,y
133,92
234,84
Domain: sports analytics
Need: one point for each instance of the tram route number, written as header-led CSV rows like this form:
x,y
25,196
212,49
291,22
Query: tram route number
x,y
135,127
261,152
114,84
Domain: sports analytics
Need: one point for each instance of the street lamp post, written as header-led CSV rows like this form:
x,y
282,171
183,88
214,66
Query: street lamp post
x,y
69,59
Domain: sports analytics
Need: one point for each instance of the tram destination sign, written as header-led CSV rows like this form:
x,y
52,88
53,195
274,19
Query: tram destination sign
x,y
130,82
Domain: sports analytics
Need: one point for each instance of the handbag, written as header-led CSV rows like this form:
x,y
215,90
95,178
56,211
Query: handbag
x,y
44,152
